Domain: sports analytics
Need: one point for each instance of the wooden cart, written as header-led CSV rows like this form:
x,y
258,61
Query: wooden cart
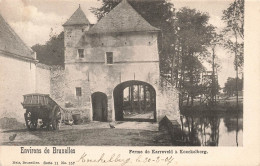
x,y
41,106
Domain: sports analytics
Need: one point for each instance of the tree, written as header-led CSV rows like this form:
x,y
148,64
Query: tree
x,y
233,33
214,76
51,53
194,36
230,86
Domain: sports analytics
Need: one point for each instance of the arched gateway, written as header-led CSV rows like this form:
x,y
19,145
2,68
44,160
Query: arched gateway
x,y
134,101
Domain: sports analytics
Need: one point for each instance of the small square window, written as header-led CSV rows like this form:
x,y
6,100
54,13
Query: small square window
x,y
78,91
81,53
109,57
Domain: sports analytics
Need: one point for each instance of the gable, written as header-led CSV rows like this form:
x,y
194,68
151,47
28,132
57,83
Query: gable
x,y
123,18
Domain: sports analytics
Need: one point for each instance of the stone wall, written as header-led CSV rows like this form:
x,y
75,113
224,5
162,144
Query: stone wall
x,y
57,84
42,79
168,105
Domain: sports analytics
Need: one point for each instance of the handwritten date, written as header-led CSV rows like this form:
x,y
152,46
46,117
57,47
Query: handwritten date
x,y
117,158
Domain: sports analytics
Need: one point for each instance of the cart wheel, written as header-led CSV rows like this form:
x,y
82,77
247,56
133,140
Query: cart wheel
x,y
30,122
56,119
56,124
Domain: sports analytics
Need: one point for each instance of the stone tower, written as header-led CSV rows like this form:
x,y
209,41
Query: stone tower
x,y
74,28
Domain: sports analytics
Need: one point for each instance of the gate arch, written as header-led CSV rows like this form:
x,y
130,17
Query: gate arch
x,y
134,101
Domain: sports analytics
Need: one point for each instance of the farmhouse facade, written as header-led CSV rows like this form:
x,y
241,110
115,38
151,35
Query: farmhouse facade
x,y
112,67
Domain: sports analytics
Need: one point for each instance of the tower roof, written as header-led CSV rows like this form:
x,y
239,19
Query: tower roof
x,y
123,18
77,18
10,42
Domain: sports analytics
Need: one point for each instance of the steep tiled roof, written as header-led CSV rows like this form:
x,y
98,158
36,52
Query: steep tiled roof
x,y
10,42
77,18
123,18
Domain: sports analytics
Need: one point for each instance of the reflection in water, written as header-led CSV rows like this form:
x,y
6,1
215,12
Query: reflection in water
x,y
212,130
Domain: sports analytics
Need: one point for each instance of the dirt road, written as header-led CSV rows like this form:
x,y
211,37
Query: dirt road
x,y
94,133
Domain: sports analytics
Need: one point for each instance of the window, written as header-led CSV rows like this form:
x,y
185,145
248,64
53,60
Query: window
x,y
109,57
81,53
78,91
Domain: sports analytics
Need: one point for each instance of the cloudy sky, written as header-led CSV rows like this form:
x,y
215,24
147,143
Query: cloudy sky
x,y
35,20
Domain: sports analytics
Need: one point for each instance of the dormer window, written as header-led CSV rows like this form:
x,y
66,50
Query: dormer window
x,y
109,58
81,53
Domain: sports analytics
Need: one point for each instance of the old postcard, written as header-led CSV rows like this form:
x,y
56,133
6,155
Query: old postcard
x,y
129,82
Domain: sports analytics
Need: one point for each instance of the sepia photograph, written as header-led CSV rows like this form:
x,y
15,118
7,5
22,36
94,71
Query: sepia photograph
x,y
121,73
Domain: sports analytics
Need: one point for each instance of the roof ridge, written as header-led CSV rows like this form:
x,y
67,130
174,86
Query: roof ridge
x,y
122,18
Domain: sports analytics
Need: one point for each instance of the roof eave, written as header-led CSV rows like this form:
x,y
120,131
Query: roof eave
x,y
19,56
92,33
64,25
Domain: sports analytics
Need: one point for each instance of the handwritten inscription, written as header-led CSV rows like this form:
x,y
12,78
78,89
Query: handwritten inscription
x,y
117,158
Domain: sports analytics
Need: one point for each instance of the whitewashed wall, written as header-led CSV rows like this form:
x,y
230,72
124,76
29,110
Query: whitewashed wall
x,y
17,78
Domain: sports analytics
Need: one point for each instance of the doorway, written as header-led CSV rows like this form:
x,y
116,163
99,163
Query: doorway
x,y
99,106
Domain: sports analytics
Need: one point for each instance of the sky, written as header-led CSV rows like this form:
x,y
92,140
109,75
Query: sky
x,y
35,20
